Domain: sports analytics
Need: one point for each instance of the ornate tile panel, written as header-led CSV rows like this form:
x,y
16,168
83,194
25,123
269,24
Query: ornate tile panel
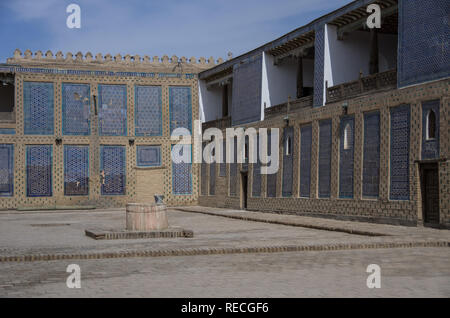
x,y
346,151
180,105
76,170
271,179
325,148
182,175
6,170
148,111
305,160
76,109
148,156
112,110
371,155
39,160
38,107
400,134
113,170
287,162
319,46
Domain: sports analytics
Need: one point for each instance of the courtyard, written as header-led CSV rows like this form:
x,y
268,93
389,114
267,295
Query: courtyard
x,y
233,253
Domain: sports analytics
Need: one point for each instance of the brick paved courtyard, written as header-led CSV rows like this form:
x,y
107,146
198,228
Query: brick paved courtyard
x,y
406,272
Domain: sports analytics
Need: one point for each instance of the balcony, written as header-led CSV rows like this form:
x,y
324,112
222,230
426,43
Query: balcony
x,y
221,123
295,105
368,84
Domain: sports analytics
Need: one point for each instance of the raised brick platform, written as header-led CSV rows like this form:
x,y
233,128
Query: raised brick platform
x,y
172,232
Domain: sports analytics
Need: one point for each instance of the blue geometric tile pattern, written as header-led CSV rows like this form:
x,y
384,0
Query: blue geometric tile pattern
x,y
424,46
271,179
430,147
6,170
400,130
112,166
256,184
182,175
76,109
204,174
76,170
112,110
319,49
148,111
346,158
223,165
233,171
212,178
39,170
305,161
180,105
371,155
246,99
325,136
148,156
38,108
287,162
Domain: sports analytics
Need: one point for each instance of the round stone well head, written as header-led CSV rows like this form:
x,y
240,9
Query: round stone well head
x,y
146,217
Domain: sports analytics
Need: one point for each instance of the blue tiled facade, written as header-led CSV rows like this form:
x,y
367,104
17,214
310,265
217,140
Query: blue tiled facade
x,y
76,170
430,146
113,170
400,134
39,160
112,110
6,170
371,155
180,104
346,151
325,147
182,175
148,111
223,165
319,49
305,160
76,109
288,159
148,156
424,47
256,178
38,108
246,99
234,170
271,179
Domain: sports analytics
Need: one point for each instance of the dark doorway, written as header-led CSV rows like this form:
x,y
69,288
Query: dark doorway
x,y
430,193
244,185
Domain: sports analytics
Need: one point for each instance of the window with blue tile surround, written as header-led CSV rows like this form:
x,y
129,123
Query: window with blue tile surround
x,y
325,148
76,170
430,146
148,110
346,157
38,108
305,160
400,131
112,110
6,170
180,107
148,156
113,169
39,159
182,174
371,155
76,109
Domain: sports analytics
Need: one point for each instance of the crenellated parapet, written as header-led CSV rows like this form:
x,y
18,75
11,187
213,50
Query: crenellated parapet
x,y
134,62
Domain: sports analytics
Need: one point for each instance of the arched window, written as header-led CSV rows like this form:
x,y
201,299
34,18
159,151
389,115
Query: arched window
x,y
431,125
288,146
347,136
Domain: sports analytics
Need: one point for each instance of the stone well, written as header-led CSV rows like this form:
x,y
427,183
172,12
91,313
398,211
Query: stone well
x,y
146,217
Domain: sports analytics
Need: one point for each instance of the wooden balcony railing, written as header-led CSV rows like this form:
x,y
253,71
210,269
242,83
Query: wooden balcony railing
x,y
294,105
379,81
220,123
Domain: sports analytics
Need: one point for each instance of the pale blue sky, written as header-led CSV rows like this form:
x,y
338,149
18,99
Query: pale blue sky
x,y
146,27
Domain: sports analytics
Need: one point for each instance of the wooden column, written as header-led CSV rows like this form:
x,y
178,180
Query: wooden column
x,y
373,67
225,100
300,77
